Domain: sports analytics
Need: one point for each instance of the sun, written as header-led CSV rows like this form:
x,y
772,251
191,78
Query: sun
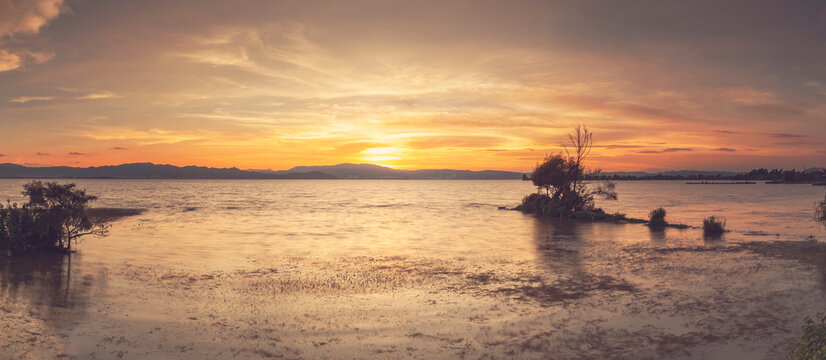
x,y
378,155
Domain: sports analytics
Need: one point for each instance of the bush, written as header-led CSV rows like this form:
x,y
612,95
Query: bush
x,y
812,344
820,210
55,216
562,176
713,225
657,218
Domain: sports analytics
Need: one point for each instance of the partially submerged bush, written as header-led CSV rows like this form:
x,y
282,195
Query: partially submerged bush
x,y
812,344
820,210
656,218
55,216
713,225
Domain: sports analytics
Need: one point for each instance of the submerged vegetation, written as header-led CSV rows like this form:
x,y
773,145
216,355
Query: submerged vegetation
x,y
567,193
714,225
54,217
812,344
656,218
820,210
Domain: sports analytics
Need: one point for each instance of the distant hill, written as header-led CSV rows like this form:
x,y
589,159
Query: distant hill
x,y
147,171
371,171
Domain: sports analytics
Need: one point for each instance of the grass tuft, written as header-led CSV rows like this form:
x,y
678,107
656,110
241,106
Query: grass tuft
x,y
714,225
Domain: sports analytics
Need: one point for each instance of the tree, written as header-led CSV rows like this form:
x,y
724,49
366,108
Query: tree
x,y
562,176
63,207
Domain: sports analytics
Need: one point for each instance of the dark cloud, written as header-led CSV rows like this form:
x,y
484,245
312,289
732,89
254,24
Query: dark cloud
x,y
677,149
649,152
619,146
797,143
726,132
725,149
42,154
118,148
2,155
792,136
73,153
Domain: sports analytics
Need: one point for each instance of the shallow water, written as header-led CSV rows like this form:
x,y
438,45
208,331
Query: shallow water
x,y
418,269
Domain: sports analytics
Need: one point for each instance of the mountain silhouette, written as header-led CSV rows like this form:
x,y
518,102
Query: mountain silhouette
x,y
372,171
147,171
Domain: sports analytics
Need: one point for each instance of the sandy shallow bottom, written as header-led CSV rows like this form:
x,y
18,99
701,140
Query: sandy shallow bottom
x,y
577,300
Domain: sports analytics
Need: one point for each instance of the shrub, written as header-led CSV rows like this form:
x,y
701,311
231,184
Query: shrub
x,y
812,344
713,225
55,216
657,218
562,176
820,210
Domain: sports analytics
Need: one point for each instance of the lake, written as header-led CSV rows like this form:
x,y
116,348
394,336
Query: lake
x,y
418,269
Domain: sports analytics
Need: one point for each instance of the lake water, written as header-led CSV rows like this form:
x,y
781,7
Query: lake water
x,y
418,269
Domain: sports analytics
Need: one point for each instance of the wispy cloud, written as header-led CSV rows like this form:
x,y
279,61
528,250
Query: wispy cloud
x,y
118,148
724,149
74,153
42,154
25,99
787,136
98,96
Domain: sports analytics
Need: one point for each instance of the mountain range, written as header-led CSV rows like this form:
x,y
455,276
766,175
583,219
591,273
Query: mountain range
x,y
340,171
146,171
157,171
371,171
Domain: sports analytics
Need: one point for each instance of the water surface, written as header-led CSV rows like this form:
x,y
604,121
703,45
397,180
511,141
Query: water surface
x,y
418,269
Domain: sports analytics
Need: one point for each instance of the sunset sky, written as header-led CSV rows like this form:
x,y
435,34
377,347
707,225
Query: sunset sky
x,y
707,85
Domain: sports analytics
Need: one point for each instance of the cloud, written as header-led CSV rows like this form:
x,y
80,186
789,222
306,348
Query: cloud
x,y
787,136
724,149
42,154
73,153
9,61
27,16
676,149
748,96
2,155
619,146
25,99
118,148
100,95
24,17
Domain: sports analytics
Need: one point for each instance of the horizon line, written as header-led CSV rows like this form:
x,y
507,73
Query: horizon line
x,y
652,171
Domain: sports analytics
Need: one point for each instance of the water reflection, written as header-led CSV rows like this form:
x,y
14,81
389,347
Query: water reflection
x,y
657,234
52,284
559,243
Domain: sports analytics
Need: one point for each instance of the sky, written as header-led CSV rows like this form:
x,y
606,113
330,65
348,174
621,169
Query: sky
x,y
706,85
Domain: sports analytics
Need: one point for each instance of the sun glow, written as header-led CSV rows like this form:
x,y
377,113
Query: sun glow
x,y
379,155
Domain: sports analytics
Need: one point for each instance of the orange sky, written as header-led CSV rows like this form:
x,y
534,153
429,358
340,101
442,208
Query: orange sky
x,y
413,84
